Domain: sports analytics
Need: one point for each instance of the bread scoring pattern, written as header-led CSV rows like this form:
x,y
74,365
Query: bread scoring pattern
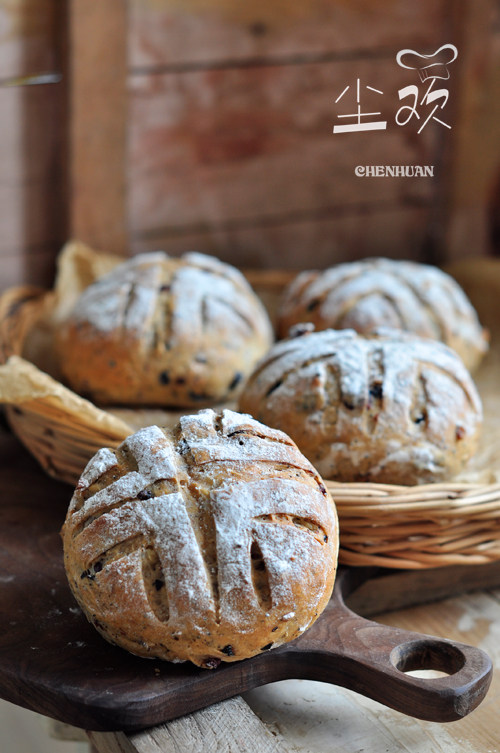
x,y
162,330
365,295
133,297
213,544
390,407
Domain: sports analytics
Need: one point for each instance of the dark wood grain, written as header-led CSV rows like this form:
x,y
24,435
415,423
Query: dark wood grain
x,y
54,662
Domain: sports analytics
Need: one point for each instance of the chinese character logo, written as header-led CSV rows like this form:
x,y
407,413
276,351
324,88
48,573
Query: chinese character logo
x,y
422,106
359,125
430,68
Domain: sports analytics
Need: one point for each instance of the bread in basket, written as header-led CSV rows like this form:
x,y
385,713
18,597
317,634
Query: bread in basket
x,y
454,522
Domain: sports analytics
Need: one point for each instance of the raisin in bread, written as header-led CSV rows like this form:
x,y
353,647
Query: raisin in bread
x,y
405,295
388,407
213,542
164,331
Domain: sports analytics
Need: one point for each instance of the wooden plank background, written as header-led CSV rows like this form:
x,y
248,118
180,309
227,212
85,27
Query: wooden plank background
x,y
96,73
203,33
231,118
208,124
231,148
30,130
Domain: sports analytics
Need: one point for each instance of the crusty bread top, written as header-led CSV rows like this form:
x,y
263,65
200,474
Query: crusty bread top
x,y
357,404
405,295
220,534
166,331
205,288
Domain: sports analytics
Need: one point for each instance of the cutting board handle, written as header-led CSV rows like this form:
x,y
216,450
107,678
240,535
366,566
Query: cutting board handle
x,y
373,659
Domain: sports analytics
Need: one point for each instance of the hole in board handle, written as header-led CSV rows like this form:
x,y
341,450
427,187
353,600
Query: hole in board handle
x,y
430,656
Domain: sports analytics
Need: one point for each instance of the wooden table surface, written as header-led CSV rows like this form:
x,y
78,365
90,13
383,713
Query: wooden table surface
x,y
297,715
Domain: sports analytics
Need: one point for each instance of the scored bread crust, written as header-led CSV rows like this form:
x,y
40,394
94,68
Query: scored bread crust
x,y
212,542
159,330
372,293
388,407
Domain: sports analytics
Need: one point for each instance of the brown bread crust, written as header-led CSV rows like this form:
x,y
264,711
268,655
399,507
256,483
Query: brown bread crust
x,y
214,542
389,407
372,293
164,331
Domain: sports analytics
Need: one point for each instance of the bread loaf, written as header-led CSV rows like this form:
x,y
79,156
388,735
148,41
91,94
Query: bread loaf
x,y
164,331
405,295
388,407
211,543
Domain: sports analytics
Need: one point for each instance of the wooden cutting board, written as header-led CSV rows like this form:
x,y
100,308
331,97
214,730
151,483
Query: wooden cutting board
x,y
54,662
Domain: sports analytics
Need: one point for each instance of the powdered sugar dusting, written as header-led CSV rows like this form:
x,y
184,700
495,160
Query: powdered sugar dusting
x,y
233,422
126,487
165,524
183,566
249,450
201,298
125,297
242,439
103,461
244,513
406,295
113,527
153,452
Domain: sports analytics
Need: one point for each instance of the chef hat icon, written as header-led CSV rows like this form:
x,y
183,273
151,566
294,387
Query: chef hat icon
x,y
429,66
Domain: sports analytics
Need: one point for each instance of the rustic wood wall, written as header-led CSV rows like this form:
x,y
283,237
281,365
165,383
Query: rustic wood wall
x,y
30,129
232,109
208,124
231,144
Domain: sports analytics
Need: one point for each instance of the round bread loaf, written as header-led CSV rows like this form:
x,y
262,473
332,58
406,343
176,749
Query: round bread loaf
x,y
388,407
404,295
213,542
158,330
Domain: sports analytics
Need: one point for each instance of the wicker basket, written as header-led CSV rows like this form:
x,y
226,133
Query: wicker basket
x,y
390,526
